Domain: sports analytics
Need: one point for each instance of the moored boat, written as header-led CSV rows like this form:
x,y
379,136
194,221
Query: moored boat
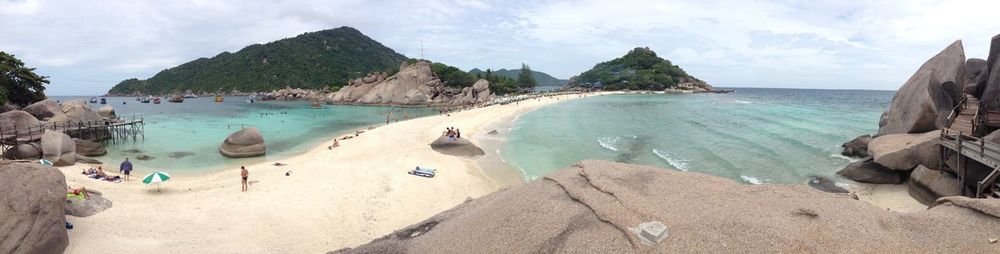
x,y
93,100
218,99
156,100
104,100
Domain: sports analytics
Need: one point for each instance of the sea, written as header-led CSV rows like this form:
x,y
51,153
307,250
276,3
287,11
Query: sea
x,y
185,137
754,135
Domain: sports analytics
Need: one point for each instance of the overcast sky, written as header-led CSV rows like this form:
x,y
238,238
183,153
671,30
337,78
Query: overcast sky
x,y
88,46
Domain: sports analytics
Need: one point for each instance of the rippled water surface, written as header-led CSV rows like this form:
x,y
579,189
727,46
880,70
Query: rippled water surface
x,y
753,135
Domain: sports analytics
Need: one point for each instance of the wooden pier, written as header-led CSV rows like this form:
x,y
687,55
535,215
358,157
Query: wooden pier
x,y
116,131
959,143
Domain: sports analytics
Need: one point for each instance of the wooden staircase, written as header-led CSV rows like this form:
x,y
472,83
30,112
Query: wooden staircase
x,y
965,121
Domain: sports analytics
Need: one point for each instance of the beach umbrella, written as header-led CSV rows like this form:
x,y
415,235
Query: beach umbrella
x,y
156,177
45,162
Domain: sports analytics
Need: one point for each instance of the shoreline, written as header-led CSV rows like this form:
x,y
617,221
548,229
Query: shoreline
x,y
332,198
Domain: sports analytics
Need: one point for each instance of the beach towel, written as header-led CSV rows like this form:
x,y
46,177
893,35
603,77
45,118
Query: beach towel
x,y
77,196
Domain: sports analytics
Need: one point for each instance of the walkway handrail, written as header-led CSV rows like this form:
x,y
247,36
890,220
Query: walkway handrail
x,y
978,149
957,110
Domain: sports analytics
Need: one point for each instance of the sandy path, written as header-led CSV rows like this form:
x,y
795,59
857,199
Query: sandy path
x,y
333,199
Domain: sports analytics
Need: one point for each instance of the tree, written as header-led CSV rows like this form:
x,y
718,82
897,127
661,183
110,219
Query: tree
x,y
18,84
526,80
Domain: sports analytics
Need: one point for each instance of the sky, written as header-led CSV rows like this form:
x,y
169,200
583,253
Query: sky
x,y
86,47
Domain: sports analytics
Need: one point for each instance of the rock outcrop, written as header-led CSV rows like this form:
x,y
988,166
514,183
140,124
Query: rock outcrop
x,y
906,151
414,84
456,147
975,69
857,147
867,171
31,209
24,151
94,204
596,206
7,106
107,112
244,143
89,148
43,109
927,185
924,102
58,148
988,85
18,119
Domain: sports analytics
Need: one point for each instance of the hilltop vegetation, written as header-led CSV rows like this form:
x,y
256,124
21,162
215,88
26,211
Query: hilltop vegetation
x,y
640,69
314,60
543,79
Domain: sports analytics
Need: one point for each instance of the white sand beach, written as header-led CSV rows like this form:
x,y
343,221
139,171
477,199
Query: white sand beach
x,y
333,198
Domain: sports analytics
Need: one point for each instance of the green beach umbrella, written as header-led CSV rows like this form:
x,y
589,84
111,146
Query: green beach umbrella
x,y
156,177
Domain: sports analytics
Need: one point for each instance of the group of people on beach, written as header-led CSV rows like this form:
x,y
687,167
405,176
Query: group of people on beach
x,y
453,133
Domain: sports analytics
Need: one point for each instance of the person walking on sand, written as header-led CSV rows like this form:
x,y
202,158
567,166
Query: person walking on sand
x,y
244,173
126,168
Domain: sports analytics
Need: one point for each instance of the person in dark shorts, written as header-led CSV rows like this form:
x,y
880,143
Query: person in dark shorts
x,y
244,173
126,168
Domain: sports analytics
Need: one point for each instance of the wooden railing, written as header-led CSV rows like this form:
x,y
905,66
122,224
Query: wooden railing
x,y
982,151
957,110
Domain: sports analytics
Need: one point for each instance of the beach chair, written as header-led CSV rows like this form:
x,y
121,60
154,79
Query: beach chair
x,y
425,172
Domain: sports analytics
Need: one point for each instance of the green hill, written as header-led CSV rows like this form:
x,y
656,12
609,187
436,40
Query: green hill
x,y
542,78
640,69
311,60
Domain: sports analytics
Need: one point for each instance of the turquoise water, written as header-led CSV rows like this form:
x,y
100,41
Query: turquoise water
x,y
753,135
185,137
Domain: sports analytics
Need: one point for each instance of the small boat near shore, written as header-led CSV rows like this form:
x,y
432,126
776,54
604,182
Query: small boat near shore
x,y
218,99
104,100
145,99
156,100
92,100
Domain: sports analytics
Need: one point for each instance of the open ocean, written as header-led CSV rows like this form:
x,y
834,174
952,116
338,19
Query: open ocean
x,y
754,135
185,137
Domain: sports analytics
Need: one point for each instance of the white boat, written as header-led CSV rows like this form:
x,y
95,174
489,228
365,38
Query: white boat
x,y
251,98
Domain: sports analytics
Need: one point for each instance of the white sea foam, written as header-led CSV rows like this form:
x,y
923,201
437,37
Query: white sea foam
x,y
742,102
750,179
837,155
608,143
679,164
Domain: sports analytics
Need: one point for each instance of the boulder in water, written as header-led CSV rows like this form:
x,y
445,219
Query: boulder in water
x,y
456,147
906,151
857,147
89,148
31,208
927,185
924,102
58,148
87,160
867,171
244,143
144,157
826,185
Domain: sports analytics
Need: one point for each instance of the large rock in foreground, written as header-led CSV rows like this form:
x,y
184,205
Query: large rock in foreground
x,y
906,151
456,147
244,143
924,102
31,209
594,206
17,119
867,171
23,151
927,185
58,148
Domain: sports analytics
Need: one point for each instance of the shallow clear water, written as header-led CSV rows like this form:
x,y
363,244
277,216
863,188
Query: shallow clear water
x,y
184,137
753,135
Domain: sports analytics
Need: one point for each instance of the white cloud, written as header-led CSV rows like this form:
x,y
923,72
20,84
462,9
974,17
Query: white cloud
x,y
91,45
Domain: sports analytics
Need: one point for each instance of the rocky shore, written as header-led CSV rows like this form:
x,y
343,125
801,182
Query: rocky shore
x,y
599,207
906,150
414,84
37,121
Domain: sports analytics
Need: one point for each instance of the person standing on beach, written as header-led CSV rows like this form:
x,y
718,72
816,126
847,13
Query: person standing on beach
x,y
125,168
244,173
